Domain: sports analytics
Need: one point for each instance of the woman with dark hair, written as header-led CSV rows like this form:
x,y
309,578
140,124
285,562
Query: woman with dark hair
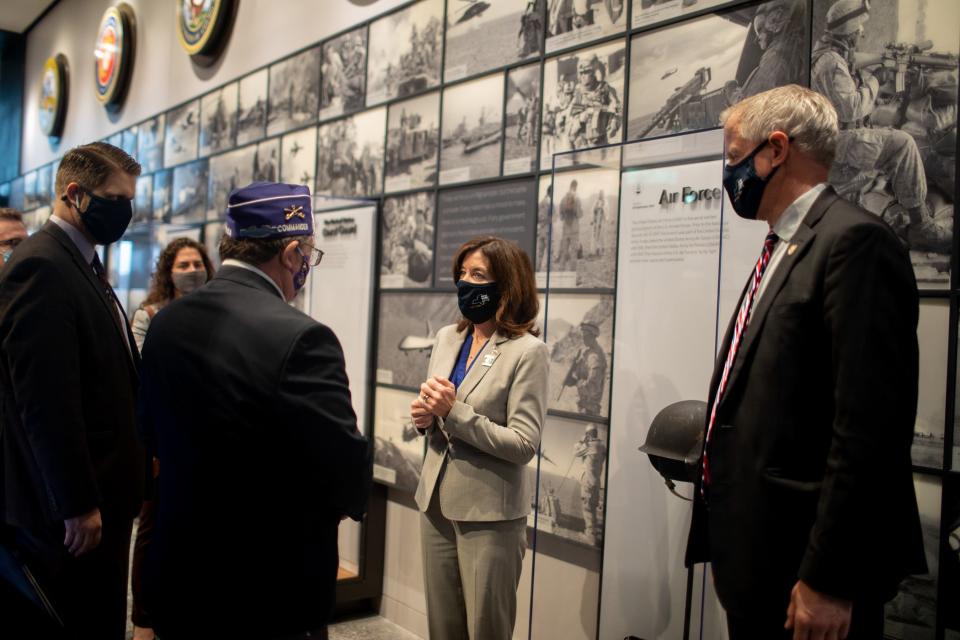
x,y
183,267
482,409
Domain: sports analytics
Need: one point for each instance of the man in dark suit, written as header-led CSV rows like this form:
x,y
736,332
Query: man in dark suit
x,y
247,403
806,507
71,469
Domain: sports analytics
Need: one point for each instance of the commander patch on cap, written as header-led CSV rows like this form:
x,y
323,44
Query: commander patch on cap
x,y
269,210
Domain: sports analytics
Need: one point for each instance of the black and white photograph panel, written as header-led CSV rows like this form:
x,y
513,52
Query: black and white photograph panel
x,y
572,459
182,138
397,445
582,100
189,192
683,76
574,22
294,92
44,189
150,144
912,614
408,334
129,141
228,171
266,163
950,575
933,331
218,120
407,234
487,34
298,164
584,229
580,338
162,195
350,154
502,208
16,193
143,200
522,130
651,12
343,74
252,107
405,52
212,232
472,130
413,133
30,191
892,73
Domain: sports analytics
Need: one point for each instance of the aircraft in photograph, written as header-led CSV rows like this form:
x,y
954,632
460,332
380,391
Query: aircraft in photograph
x,y
473,9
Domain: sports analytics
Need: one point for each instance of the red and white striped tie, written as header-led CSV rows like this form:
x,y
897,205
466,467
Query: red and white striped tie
x,y
743,317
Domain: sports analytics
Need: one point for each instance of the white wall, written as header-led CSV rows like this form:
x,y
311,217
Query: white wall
x,y
163,74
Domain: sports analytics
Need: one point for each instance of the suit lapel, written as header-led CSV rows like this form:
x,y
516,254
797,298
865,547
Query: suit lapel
x,y
447,352
478,370
91,278
802,240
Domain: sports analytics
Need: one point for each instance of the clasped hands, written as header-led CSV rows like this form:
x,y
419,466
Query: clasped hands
x,y
437,396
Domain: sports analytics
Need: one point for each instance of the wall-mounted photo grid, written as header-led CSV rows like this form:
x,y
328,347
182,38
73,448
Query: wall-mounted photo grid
x,y
450,113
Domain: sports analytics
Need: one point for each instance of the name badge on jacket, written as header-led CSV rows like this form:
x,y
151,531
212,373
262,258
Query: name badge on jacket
x,y
489,359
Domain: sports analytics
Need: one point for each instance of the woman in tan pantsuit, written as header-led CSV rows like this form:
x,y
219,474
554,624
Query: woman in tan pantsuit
x,y
482,409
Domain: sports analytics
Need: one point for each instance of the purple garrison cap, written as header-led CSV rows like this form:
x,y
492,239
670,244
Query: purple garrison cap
x,y
269,210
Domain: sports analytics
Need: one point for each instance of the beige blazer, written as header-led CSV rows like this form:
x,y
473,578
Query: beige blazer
x,y
493,430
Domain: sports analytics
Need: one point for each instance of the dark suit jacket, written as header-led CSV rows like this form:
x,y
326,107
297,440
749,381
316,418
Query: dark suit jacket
x,y
247,404
68,387
810,454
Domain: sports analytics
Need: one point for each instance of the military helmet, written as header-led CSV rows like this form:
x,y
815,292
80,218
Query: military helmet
x,y
675,440
588,63
589,327
847,16
590,429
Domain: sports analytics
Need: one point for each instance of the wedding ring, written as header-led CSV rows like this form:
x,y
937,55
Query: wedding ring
x,y
424,397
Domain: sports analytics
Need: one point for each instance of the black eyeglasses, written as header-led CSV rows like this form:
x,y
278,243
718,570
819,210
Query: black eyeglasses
x,y
316,255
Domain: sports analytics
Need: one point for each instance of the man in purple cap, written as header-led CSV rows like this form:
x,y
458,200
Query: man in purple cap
x,y
245,402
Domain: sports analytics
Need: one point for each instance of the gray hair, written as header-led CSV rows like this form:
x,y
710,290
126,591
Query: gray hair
x,y
806,116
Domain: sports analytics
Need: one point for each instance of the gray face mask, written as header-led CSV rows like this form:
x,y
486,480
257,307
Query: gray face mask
x,y
189,281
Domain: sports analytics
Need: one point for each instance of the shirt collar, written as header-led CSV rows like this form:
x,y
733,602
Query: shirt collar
x,y
789,221
230,262
86,249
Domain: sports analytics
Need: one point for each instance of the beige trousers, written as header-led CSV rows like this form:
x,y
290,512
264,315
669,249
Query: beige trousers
x,y
471,573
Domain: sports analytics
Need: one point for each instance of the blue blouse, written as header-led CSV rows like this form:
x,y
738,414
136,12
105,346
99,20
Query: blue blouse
x,y
460,370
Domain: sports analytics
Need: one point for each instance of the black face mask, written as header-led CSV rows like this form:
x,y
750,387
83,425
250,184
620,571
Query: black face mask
x,y
478,302
105,219
744,186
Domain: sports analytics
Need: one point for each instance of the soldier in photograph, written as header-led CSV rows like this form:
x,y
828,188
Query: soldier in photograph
x,y
588,371
543,220
531,25
594,114
599,215
863,149
592,452
570,213
778,26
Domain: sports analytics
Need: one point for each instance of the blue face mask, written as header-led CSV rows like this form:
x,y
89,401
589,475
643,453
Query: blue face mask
x,y
744,186
6,255
301,278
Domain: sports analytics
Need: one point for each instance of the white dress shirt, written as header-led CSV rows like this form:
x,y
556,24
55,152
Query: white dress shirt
x,y
230,262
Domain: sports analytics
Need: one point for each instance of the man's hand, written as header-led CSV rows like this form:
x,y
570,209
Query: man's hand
x,y
816,616
83,532
438,395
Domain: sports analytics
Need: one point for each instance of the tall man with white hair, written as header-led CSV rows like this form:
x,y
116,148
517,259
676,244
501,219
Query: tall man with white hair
x,y
805,507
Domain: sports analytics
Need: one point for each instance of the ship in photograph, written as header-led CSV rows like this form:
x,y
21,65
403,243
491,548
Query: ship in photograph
x,y
472,130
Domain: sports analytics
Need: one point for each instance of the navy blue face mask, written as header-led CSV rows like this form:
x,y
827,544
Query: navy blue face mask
x,y
105,219
744,186
478,302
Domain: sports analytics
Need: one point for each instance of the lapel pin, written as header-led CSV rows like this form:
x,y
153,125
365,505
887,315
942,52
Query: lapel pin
x,y
489,358
792,249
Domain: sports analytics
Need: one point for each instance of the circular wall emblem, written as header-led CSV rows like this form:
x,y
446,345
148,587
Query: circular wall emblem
x,y
202,25
53,95
113,54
